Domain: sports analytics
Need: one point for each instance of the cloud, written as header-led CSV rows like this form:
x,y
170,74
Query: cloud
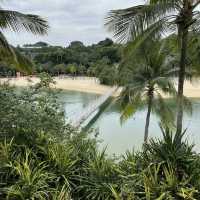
x,y
69,19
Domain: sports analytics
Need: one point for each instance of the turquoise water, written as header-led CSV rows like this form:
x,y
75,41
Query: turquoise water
x,y
119,138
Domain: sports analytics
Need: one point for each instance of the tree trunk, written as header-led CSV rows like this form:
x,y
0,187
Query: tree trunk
x,y
146,132
183,59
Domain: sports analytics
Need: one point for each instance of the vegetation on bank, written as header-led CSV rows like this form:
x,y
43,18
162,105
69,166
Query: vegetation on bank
x,y
99,60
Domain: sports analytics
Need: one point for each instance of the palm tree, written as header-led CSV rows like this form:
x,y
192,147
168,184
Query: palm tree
x,y
16,21
149,78
139,23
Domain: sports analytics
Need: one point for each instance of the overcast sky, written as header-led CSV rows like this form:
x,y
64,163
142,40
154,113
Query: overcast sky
x,y
69,20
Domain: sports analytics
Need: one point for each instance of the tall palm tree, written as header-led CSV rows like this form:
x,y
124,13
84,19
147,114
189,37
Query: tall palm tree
x,y
16,21
148,80
141,22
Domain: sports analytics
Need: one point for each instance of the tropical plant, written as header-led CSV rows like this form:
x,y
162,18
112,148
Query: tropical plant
x,y
99,176
16,21
62,193
34,110
61,158
32,179
148,78
172,149
155,17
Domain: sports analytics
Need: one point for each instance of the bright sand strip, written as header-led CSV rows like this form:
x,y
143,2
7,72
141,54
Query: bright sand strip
x,y
91,85
81,84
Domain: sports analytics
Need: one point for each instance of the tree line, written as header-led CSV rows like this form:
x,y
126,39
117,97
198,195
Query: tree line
x,y
97,60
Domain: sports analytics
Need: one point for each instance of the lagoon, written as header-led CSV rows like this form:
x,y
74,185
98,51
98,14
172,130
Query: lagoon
x,y
118,138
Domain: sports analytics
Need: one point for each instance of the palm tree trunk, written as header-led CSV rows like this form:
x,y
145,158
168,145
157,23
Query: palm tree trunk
x,y
146,132
183,58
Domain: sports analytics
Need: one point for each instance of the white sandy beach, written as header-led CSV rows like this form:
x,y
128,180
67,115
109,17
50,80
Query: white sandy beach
x,y
81,84
91,85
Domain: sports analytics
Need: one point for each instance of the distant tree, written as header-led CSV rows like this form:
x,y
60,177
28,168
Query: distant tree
x,y
46,67
101,65
112,53
72,69
106,42
82,69
37,44
76,44
88,59
60,69
41,44
108,75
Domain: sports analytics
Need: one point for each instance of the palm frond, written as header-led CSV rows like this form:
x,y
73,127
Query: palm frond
x,y
166,86
101,110
164,112
17,21
5,45
153,31
23,63
16,60
128,111
174,3
127,24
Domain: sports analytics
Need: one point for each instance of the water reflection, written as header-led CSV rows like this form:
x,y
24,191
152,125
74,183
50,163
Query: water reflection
x,y
118,138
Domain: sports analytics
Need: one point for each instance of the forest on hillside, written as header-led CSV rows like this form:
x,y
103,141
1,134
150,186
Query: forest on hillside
x,y
76,59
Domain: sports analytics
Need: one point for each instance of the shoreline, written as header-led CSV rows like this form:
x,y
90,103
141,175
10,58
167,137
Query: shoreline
x,y
78,84
91,85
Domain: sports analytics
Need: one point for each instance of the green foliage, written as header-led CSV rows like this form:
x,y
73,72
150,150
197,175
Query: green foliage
x,y
33,110
84,59
72,69
32,179
43,158
145,79
140,23
60,68
106,73
99,176
16,21
49,169
45,81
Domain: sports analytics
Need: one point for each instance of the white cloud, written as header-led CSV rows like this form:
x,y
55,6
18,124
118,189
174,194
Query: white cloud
x,y
69,19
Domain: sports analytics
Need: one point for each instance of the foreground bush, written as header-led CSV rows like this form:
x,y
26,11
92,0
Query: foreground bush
x,y
78,170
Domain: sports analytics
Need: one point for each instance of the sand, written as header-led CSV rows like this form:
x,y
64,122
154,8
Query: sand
x,y
91,85
81,84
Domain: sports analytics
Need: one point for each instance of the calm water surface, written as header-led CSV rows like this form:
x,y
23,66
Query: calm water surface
x,y
119,138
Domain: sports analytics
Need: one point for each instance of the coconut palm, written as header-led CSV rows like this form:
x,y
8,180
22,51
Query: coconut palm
x,y
16,21
149,78
152,19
